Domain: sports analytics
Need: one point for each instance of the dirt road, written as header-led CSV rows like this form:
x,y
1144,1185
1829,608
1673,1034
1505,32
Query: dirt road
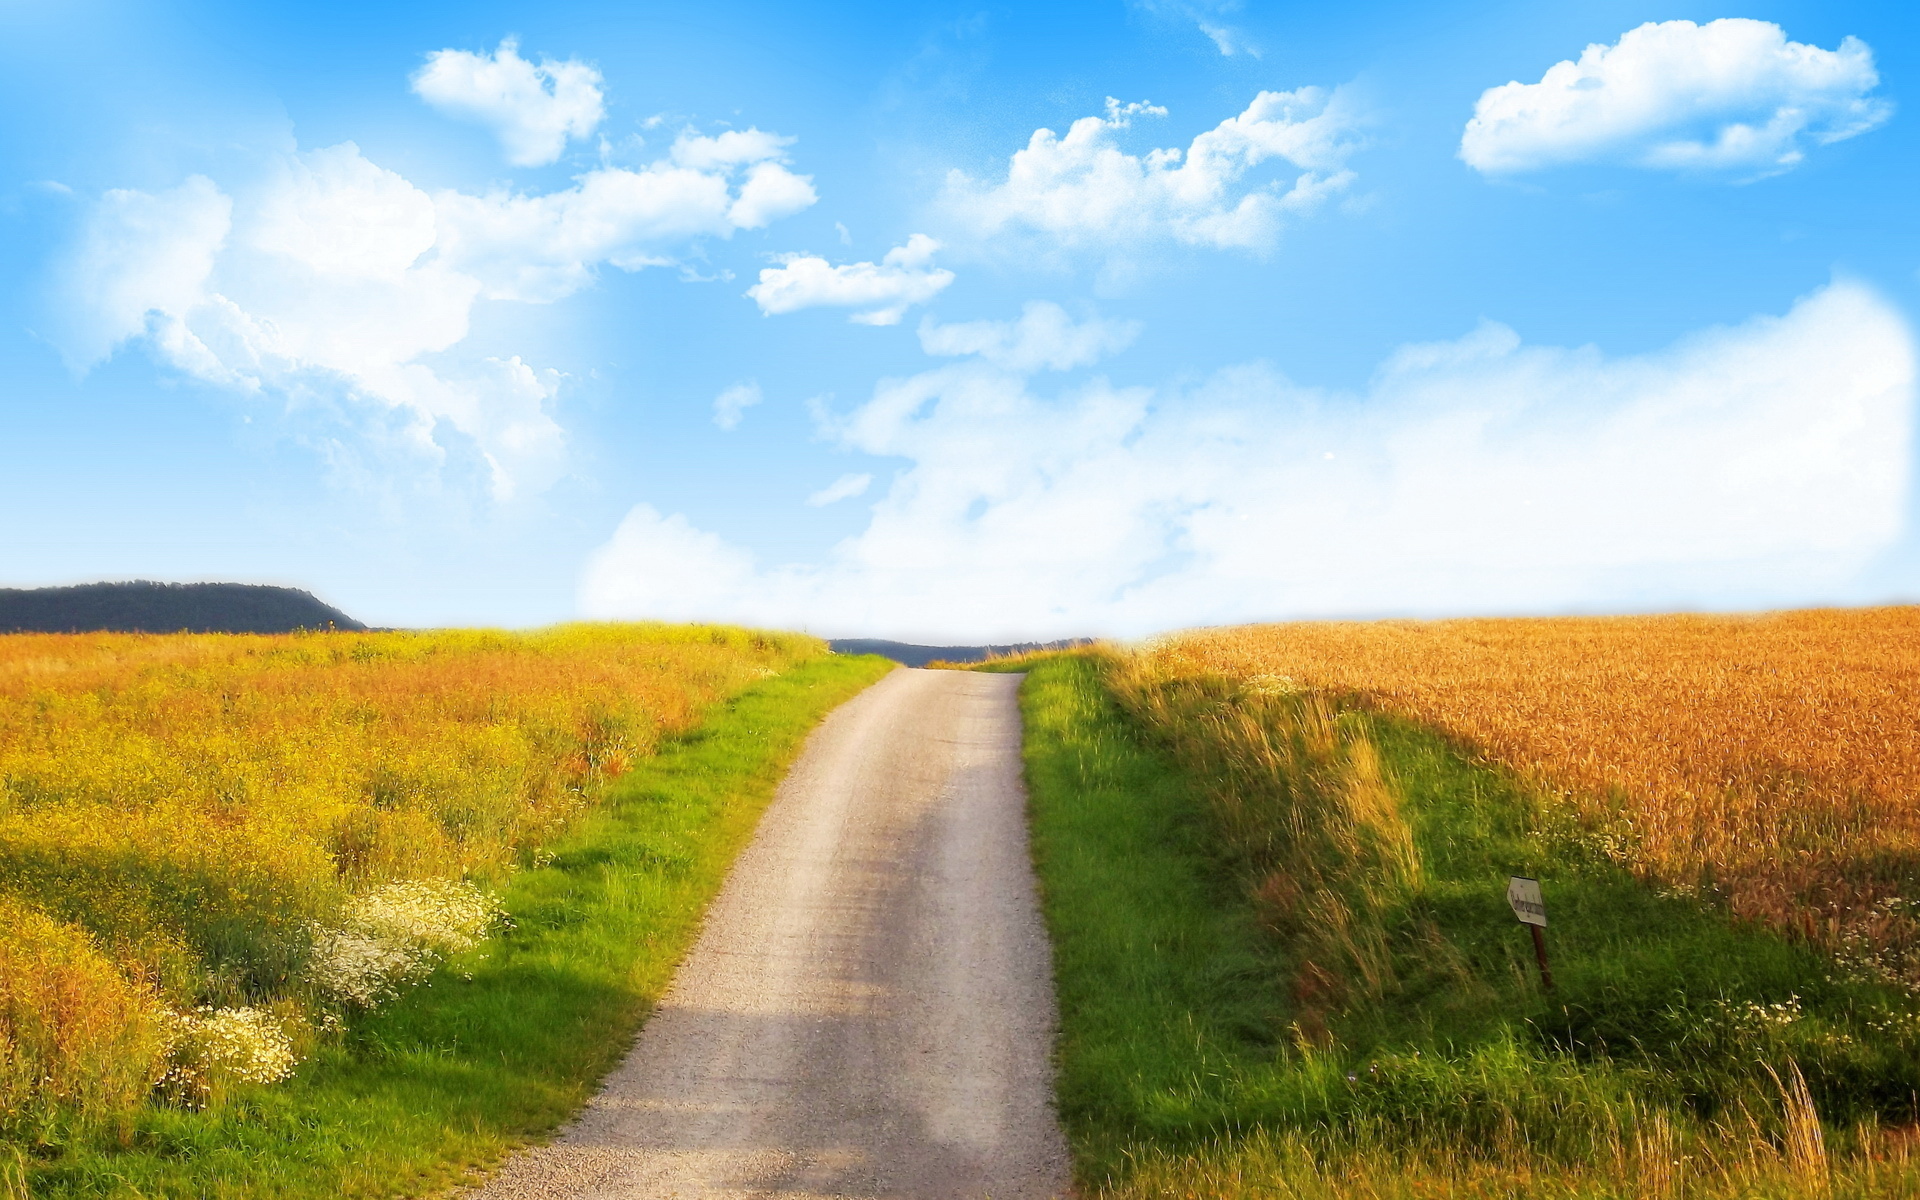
x,y
869,1010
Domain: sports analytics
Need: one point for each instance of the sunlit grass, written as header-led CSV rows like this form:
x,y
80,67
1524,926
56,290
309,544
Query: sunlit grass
x,y
1286,968
213,848
1770,762
502,1042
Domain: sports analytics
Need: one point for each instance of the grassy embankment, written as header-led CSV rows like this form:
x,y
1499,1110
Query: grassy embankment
x,y
1286,968
603,891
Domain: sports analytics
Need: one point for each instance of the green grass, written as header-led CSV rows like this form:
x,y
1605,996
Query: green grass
x,y
1161,975
499,1048
1184,1067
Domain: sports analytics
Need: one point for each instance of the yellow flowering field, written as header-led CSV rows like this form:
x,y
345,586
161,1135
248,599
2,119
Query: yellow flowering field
x,y
1770,760
212,846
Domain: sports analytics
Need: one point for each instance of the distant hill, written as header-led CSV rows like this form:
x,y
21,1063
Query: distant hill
x,y
143,607
909,655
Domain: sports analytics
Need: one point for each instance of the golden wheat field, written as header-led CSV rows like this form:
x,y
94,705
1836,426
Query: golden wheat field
x,y
213,846
1771,760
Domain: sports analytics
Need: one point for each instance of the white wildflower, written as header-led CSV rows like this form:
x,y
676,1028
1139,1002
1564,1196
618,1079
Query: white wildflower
x,y
1752,1017
440,914
365,968
396,934
1272,685
216,1045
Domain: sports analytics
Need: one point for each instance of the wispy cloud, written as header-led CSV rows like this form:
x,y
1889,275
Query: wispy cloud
x,y
331,282
1760,463
731,405
1211,17
844,488
543,246
1043,338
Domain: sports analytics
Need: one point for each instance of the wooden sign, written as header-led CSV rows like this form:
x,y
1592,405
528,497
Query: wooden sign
x,y
1523,895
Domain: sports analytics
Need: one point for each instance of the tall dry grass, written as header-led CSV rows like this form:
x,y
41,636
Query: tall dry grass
x,y
1391,1083
1303,810
1771,760
209,843
1731,1159
1393,1040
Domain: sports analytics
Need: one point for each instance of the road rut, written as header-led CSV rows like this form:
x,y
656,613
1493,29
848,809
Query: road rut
x,y
869,1008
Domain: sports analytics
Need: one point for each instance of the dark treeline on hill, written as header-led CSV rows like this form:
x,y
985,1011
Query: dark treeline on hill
x,y
909,655
143,607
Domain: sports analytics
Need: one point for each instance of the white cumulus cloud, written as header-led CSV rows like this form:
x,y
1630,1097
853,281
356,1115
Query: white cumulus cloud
x,y
769,192
533,108
1765,462
1732,95
1084,189
332,282
544,246
731,405
1043,338
905,277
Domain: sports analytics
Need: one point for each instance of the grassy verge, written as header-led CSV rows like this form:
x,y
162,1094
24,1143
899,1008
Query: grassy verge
x,y
504,1044
1286,968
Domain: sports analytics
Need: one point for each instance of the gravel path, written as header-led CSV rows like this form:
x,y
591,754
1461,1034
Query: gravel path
x,y
869,1009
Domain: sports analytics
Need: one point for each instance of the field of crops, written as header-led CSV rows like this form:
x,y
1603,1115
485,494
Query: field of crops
x,y
1769,761
213,849
1276,860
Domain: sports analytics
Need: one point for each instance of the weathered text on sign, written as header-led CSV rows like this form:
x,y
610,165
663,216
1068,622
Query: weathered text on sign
x,y
1524,895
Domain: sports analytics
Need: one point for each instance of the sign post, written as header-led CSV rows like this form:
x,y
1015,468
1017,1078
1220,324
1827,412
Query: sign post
x,y
1523,896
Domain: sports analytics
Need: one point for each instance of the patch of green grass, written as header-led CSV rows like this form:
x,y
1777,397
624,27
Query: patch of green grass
x,y
1673,1035
500,1047
1163,979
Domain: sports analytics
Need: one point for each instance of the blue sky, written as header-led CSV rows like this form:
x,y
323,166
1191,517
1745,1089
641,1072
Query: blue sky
x,y
507,314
